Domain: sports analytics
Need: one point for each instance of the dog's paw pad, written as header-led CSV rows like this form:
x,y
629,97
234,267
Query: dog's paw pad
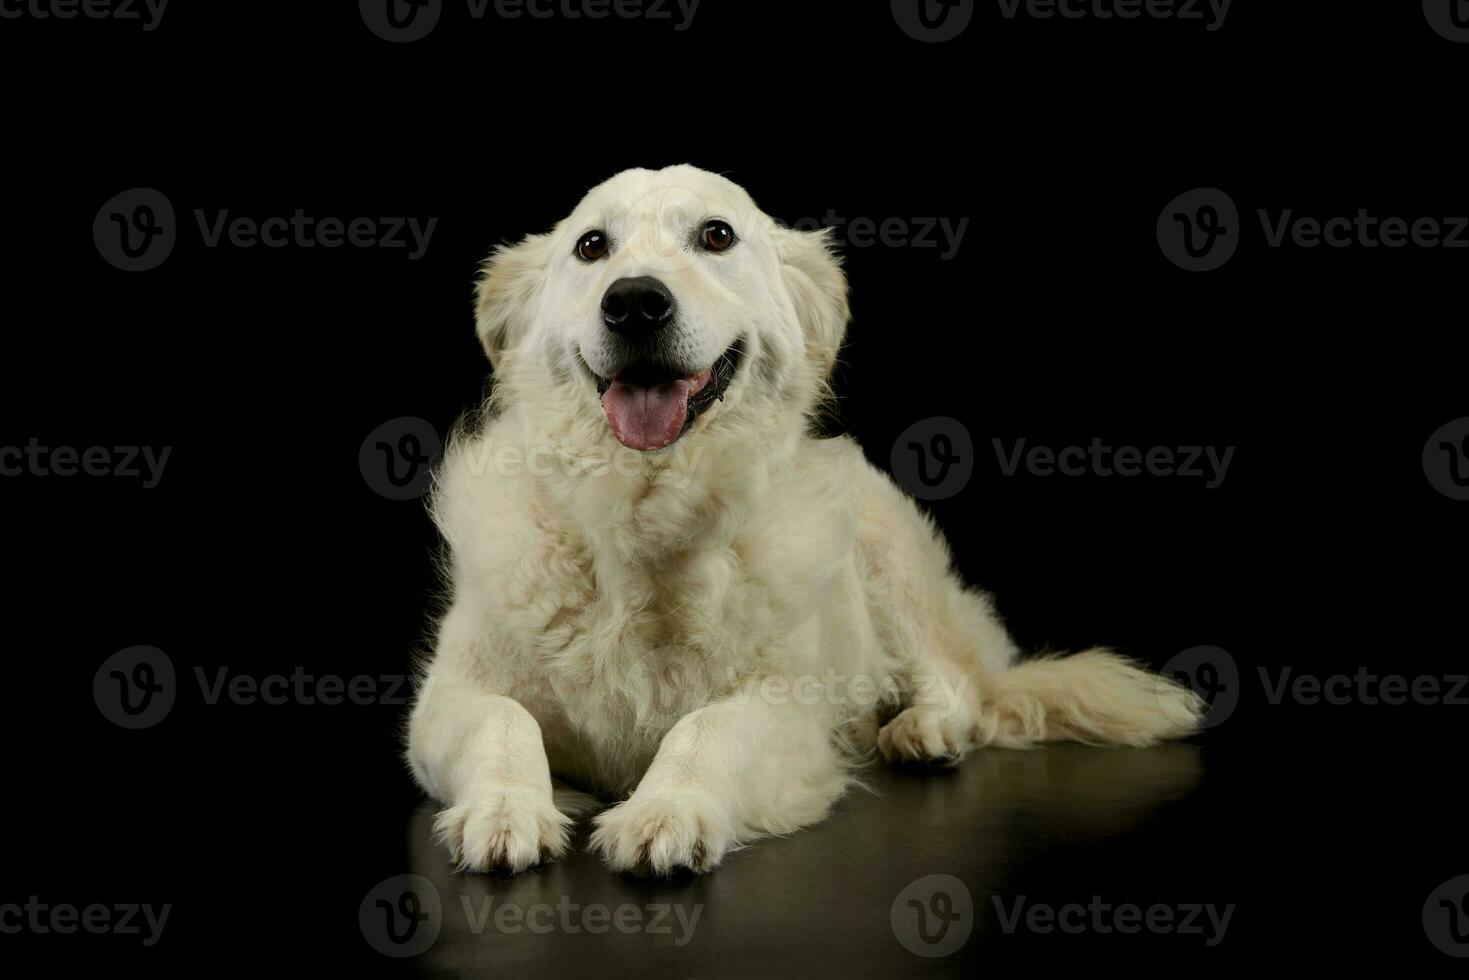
x,y
925,734
508,830
662,834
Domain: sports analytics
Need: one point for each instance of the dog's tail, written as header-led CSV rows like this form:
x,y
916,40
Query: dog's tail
x,y
1096,697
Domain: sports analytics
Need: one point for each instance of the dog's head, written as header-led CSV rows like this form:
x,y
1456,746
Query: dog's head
x,y
665,303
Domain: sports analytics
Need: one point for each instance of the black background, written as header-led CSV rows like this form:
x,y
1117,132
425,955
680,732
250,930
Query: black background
x,y
264,549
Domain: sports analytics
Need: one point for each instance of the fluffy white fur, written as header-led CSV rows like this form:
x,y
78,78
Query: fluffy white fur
x,y
716,632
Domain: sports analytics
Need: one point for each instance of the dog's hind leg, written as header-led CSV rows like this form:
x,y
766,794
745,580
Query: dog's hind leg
x,y
967,685
963,699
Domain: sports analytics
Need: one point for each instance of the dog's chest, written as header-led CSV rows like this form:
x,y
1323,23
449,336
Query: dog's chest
x,y
612,654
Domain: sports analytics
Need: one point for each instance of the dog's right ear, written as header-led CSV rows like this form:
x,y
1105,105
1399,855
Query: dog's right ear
x,y
509,281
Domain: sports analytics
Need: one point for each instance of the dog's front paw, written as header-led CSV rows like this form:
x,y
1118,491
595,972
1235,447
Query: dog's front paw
x,y
663,832
503,829
925,733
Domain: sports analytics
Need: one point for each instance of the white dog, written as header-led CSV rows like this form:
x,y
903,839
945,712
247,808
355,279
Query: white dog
x,y
664,586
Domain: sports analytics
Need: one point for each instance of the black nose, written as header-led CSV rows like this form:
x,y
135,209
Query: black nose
x,y
637,306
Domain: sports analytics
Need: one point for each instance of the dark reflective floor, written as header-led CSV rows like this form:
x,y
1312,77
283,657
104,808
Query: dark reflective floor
x,y
1212,856
1000,826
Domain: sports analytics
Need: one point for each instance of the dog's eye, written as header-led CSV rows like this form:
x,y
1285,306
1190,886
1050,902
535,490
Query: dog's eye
x,y
593,246
717,236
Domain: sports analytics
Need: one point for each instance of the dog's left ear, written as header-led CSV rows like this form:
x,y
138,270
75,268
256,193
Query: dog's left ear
x,y
813,277
508,282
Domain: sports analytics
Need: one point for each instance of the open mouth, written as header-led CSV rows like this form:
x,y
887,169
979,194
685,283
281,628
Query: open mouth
x,y
649,405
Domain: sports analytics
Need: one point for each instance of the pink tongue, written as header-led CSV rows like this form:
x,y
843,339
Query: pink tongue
x,y
647,417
